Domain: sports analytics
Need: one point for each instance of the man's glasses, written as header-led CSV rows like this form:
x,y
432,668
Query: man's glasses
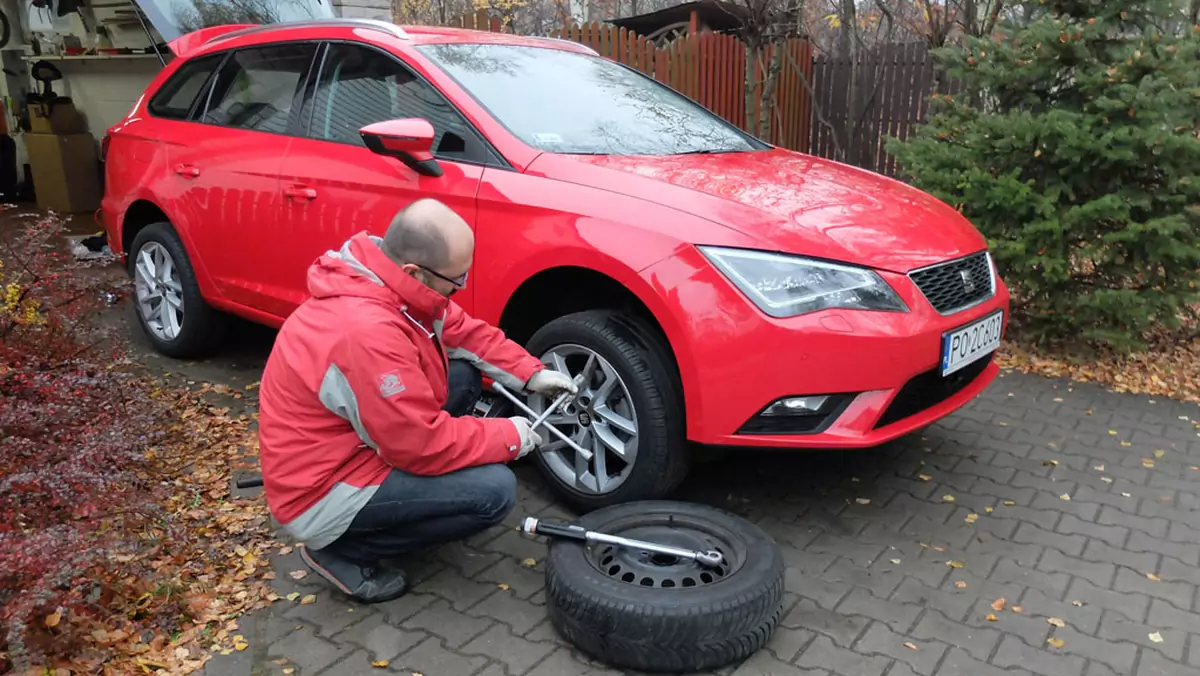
x,y
459,281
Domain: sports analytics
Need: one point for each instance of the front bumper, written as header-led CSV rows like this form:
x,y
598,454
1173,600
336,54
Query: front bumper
x,y
735,361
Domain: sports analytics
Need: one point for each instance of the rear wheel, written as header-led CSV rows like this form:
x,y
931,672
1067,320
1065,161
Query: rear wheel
x,y
629,412
167,300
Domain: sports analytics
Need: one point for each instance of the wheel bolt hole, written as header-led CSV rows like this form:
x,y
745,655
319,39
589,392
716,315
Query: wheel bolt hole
x,y
628,577
614,570
647,582
667,584
689,582
706,577
606,560
664,559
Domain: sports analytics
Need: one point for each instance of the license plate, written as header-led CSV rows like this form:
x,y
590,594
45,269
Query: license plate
x,y
961,347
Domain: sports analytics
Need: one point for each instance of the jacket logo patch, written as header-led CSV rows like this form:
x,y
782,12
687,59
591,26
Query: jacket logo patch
x,y
390,384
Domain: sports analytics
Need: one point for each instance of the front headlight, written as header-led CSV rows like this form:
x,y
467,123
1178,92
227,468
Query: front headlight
x,y
787,286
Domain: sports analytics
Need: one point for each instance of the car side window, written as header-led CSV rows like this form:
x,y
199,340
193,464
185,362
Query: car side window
x,y
257,87
174,100
359,86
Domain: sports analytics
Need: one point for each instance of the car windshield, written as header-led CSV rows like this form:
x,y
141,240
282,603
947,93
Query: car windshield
x,y
566,102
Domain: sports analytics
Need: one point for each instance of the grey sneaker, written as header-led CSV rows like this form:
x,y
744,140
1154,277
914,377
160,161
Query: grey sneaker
x,y
368,584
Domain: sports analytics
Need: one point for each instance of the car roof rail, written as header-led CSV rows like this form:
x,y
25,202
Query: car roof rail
x,y
373,24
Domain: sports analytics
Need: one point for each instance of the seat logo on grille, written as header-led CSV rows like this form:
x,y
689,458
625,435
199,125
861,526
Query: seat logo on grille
x,y
968,280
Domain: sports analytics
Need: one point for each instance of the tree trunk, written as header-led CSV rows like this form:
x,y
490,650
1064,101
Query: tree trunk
x,y
751,81
767,100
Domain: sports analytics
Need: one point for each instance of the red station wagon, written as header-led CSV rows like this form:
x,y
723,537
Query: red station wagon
x,y
718,291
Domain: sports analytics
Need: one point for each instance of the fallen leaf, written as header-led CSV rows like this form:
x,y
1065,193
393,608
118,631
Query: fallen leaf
x,y
1106,479
895,562
417,673
53,619
955,564
1050,463
863,501
1159,453
289,670
503,587
999,604
1156,637
911,646
240,646
1147,463
529,563
1017,609
1126,495
989,510
971,518
284,551
1112,433
1153,578
1009,503
1099,468
854,479
1077,604
924,477
947,498
1055,622
298,574
280,662
380,664
308,599
1126,443
960,585
293,596
1065,496
1056,642
991,617
937,548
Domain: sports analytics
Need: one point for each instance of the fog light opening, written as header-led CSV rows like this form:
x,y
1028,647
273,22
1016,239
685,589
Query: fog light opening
x,y
791,406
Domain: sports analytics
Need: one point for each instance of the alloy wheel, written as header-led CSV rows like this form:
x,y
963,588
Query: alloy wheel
x,y
159,291
601,419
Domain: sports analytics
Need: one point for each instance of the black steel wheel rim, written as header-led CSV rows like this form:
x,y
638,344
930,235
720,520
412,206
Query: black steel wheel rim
x,y
640,568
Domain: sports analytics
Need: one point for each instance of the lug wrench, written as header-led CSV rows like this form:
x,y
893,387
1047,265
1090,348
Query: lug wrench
x,y
541,419
532,526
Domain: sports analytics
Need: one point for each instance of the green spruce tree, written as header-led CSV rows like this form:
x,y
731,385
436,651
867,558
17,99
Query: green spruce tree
x,y
1075,148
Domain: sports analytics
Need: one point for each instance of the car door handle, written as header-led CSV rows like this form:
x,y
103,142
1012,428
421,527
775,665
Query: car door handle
x,y
300,192
187,170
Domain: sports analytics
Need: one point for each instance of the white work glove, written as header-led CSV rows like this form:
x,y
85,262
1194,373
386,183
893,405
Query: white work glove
x,y
551,383
529,439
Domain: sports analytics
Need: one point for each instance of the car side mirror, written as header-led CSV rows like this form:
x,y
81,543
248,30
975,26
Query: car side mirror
x,y
409,140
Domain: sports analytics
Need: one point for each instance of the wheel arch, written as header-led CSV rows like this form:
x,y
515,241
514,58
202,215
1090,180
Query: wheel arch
x,y
573,286
145,211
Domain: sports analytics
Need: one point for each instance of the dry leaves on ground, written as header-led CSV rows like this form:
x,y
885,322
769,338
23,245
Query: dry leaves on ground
x,y
210,553
1168,370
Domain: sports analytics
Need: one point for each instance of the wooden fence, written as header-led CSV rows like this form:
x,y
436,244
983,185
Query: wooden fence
x,y
812,102
891,89
709,68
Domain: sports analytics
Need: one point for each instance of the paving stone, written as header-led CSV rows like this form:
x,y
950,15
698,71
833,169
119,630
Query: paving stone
x,y
841,628
499,643
441,620
1153,527
976,641
1116,628
1119,657
883,641
432,657
1187,552
330,613
306,649
523,582
1085,618
1111,535
786,643
899,616
458,590
763,663
1015,653
1132,606
382,640
398,610
1097,551
1099,574
1008,571
823,654
1153,664
959,663
1071,545
562,662
1137,582
520,616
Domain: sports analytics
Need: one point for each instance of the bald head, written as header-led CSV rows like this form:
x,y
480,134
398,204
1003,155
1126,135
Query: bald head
x,y
428,234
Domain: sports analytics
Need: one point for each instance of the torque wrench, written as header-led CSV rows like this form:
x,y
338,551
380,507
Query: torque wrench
x,y
532,526
587,455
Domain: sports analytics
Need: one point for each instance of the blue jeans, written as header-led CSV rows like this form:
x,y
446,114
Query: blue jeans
x,y
411,512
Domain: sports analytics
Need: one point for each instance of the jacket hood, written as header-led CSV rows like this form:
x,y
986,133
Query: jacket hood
x,y
789,202
360,268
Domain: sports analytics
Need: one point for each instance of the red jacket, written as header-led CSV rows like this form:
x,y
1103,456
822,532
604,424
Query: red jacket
x,y
355,386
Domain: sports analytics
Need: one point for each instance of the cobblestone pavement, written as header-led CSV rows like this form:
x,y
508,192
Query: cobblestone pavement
x,y
1068,502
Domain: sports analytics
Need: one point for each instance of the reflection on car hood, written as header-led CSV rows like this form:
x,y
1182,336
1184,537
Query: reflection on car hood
x,y
789,201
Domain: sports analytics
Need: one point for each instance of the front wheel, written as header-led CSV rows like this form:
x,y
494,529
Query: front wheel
x,y
629,412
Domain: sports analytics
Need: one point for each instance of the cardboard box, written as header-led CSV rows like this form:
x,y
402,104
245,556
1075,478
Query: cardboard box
x,y
66,172
61,118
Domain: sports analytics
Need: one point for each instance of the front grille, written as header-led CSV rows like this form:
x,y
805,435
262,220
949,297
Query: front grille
x,y
928,390
958,284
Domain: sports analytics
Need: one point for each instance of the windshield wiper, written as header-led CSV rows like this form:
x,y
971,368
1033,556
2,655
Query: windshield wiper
x,y
708,151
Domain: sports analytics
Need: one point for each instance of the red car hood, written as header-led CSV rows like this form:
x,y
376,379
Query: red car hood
x,y
789,201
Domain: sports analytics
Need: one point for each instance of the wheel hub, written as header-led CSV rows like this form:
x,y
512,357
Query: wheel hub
x,y
664,571
601,419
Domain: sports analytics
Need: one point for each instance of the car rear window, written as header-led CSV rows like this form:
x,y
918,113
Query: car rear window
x,y
257,86
175,98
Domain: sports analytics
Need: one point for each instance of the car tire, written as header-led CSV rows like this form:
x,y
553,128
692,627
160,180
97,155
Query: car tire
x,y
636,610
646,370
200,327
